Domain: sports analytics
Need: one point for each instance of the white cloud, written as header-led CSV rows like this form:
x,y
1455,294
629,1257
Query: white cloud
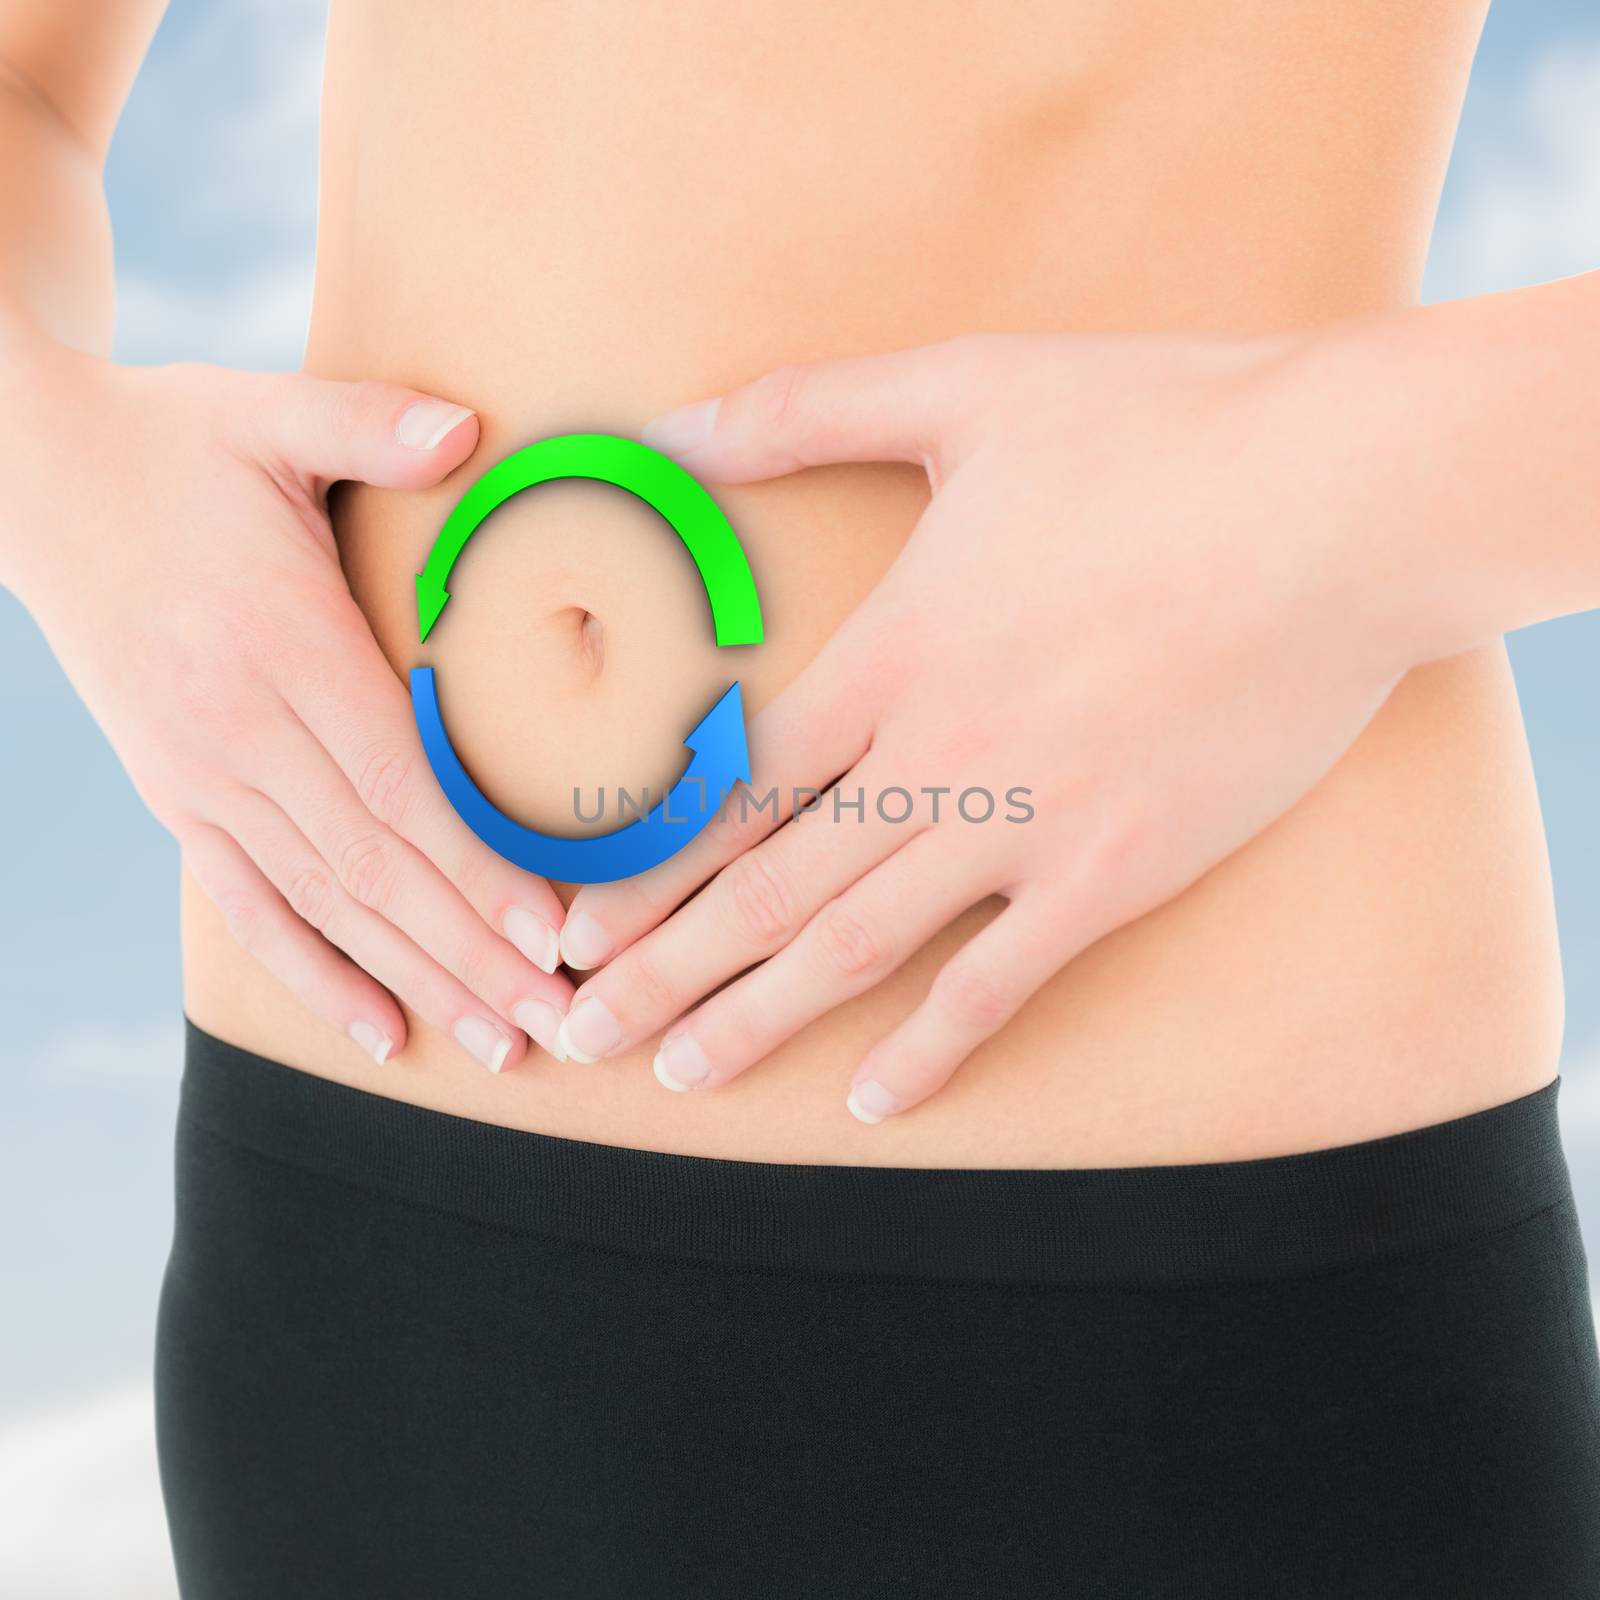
x,y
214,183
83,1517
257,321
1529,210
1580,1109
100,1052
233,97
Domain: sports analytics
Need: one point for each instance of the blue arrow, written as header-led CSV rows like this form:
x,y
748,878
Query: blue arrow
x,y
720,758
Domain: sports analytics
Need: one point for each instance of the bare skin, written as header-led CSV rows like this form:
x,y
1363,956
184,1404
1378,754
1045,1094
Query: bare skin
x,y
564,221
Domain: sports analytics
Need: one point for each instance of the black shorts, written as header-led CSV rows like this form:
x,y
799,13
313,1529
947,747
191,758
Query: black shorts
x,y
404,1354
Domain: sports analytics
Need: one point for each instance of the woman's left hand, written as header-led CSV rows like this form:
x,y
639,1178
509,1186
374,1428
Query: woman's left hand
x,y
1149,590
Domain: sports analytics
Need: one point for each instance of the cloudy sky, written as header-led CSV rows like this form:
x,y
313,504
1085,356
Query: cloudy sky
x,y
213,184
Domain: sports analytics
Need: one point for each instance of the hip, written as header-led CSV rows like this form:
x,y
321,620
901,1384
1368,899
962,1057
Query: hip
x,y
403,1353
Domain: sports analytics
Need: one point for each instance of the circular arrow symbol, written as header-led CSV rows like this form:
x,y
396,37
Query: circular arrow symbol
x,y
719,756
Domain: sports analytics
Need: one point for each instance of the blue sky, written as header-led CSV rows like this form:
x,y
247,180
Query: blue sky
x,y
213,188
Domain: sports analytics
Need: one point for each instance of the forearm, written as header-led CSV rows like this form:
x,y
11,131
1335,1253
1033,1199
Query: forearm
x,y
56,272
65,70
56,296
1479,436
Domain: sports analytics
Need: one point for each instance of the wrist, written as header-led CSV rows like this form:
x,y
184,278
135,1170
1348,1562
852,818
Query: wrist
x,y
45,413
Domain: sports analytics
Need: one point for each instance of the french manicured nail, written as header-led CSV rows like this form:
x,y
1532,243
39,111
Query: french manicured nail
x,y
424,424
482,1039
589,1031
584,943
680,1063
676,433
870,1102
374,1041
542,1023
534,937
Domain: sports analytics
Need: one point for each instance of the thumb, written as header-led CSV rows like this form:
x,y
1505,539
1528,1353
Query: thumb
x,y
902,406
321,430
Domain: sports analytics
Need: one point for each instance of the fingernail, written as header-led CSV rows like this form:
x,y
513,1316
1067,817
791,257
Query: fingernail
x,y
676,433
870,1102
424,423
534,937
680,1063
584,943
483,1040
589,1031
542,1023
374,1041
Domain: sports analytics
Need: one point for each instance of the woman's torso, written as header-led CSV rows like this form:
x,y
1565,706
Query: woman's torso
x,y
573,216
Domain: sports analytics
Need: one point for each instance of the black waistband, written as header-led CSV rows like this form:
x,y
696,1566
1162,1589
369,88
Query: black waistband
x,y
1227,1220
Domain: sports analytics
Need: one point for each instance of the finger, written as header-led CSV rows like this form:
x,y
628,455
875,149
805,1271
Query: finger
x,y
315,895
381,871
328,984
748,912
853,943
320,430
902,406
976,992
818,727
362,717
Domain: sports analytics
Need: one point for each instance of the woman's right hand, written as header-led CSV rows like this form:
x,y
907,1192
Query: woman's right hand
x,y
168,529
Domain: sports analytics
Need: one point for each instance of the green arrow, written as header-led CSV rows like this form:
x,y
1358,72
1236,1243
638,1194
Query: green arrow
x,y
656,479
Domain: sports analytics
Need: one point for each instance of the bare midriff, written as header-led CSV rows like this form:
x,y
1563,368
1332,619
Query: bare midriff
x,y
572,217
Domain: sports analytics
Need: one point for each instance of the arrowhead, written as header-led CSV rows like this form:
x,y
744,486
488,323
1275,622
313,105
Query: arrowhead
x,y
719,737
431,596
